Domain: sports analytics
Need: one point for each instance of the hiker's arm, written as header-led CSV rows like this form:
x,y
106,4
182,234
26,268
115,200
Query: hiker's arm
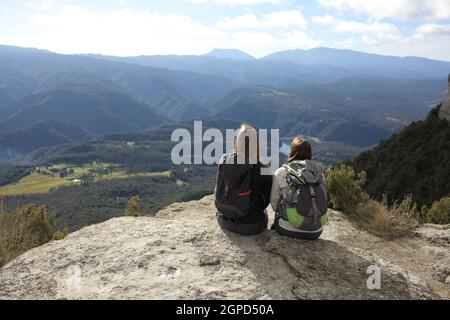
x,y
267,189
275,194
222,160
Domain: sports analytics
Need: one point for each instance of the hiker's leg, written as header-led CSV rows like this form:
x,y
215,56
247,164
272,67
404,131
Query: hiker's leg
x,y
298,234
243,228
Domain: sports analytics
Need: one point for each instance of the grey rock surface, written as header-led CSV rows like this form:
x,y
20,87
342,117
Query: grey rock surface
x,y
181,253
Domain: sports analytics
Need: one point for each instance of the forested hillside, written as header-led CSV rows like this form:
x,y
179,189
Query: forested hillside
x,y
414,161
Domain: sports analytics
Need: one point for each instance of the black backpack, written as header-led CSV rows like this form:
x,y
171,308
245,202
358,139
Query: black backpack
x,y
233,193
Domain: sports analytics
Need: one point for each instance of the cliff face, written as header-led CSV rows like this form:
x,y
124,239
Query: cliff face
x,y
444,112
181,253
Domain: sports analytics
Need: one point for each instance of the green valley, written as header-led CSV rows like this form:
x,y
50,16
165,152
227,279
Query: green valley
x,y
34,183
44,179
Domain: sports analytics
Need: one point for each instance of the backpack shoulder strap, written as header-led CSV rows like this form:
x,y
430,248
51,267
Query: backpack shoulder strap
x,y
294,173
284,194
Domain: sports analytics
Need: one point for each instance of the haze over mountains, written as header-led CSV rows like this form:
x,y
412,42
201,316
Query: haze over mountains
x,y
336,95
318,64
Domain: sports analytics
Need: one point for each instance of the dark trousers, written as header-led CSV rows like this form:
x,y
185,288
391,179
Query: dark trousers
x,y
246,229
297,234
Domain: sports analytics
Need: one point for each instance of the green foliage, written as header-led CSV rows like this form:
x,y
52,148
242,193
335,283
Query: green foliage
x,y
409,208
414,162
25,228
439,212
60,234
141,171
133,207
345,188
424,213
11,174
80,206
34,183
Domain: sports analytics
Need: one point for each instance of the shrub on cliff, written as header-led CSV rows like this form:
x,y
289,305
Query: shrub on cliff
x,y
25,228
60,234
407,207
346,193
439,211
133,207
345,188
383,221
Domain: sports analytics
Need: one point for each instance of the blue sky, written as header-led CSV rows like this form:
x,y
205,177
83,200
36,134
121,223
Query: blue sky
x,y
258,27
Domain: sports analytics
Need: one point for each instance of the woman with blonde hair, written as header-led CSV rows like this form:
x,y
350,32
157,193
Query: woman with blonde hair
x,y
242,193
298,195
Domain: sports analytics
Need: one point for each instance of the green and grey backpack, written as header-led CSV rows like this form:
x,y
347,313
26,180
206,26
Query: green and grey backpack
x,y
306,204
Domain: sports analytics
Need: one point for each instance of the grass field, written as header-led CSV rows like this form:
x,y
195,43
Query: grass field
x,y
123,175
42,183
34,183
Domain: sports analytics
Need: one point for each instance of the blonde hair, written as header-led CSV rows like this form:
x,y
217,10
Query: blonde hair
x,y
245,143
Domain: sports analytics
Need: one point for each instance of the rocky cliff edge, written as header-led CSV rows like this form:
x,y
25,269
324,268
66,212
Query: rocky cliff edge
x,y
181,253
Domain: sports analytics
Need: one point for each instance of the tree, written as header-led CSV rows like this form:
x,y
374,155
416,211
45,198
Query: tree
x,y
87,179
133,207
25,228
440,211
415,161
345,188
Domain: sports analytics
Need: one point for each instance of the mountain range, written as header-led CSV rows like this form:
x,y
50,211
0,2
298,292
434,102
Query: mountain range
x,y
335,95
41,134
297,66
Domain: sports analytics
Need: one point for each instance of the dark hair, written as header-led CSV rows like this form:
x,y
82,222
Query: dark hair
x,y
300,150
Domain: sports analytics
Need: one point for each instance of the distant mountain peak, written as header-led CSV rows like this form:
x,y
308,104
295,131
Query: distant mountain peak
x,y
230,54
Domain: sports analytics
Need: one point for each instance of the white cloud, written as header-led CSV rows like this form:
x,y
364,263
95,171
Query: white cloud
x,y
41,4
372,32
344,26
299,39
73,29
255,40
248,21
326,19
347,43
278,19
276,31
236,2
432,31
367,40
292,18
395,9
